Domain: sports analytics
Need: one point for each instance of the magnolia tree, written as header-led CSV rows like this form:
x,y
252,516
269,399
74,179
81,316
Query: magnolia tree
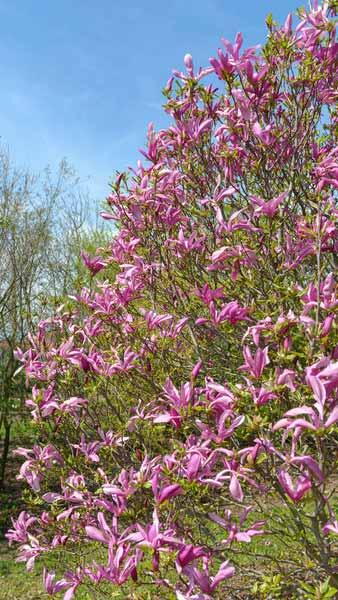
x,y
187,406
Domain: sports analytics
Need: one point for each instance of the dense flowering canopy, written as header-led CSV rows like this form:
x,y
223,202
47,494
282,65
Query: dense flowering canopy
x,y
194,385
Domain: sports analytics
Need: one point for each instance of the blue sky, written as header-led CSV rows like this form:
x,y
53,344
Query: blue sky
x,y
81,79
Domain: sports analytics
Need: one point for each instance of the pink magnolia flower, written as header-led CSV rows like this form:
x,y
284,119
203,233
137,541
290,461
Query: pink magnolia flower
x,y
104,534
311,464
175,328
154,320
207,294
94,264
72,405
38,459
182,244
219,396
51,586
315,423
178,401
260,395
231,312
187,554
166,492
71,581
151,537
329,377
192,467
256,330
235,488
331,527
270,207
121,565
196,369
241,255
124,486
255,364
124,364
30,551
265,135
89,449
318,388
235,531
19,533
295,490
231,61
204,580
224,429
286,377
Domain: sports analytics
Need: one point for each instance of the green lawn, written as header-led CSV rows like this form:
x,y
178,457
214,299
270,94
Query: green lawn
x,y
15,582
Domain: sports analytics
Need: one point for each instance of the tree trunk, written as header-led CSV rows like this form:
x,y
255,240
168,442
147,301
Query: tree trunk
x,y
5,450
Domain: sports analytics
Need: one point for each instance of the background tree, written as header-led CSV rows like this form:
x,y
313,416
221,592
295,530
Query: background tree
x,y
44,221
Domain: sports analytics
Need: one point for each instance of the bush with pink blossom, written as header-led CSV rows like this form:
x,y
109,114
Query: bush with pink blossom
x,y
187,406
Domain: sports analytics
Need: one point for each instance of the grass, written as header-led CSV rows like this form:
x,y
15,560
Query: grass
x,y
15,582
